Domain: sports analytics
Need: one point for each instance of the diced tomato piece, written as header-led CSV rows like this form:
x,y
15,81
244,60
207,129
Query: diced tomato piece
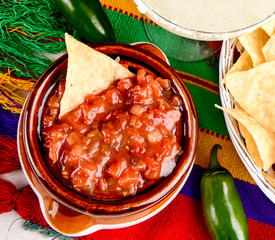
x,y
79,178
82,128
59,130
94,112
90,167
135,122
155,87
111,135
74,117
137,144
163,104
152,168
164,83
167,118
75,154
113,96
55,148
48,121
93,146
154,136
121,121
84,177
142,94
78,151
61,89
166,147
53,102
124,84
95,133
73,138
139,165
141,76
55,134
171,119
148,123
102,185
136,140
137,109
128,177
54,112
117,167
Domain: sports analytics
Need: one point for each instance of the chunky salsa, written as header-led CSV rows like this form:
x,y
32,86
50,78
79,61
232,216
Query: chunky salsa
x,y
118,142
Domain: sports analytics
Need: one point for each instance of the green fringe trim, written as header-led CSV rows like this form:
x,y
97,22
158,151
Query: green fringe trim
x,y
28,29
46,232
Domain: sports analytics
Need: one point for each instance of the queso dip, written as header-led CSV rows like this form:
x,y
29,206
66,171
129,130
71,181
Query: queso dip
x,y
213,15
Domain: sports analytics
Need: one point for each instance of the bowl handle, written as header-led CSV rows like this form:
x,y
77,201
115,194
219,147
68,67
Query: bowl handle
x,y
150,47
64,219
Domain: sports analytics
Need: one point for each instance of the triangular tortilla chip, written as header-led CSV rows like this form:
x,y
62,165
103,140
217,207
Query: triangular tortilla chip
x,y
239,47
254,90
251,146
264,139
253,43
269,49
243,63
269,27
89,72
270,177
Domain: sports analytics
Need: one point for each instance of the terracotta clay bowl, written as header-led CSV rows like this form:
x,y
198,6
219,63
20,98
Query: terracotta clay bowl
x,y
131,209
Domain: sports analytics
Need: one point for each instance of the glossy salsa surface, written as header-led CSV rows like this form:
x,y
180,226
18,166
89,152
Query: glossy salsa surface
x,y
116,143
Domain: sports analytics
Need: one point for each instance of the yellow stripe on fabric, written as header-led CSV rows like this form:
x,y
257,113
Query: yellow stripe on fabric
x,y
198,85
200,82
227,156
13,90
127,7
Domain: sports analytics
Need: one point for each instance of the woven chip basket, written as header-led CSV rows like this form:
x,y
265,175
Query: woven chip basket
x,y
226,62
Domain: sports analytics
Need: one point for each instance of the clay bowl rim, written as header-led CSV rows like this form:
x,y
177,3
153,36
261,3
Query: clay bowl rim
x,y
142,200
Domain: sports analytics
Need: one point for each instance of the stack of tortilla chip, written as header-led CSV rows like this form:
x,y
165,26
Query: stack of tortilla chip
x,y
251,82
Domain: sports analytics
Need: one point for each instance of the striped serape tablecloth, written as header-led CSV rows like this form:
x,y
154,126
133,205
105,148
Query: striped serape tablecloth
x,y
182,219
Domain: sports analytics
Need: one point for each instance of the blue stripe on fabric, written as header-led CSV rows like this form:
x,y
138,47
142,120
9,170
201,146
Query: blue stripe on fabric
x,y
256,205
8,123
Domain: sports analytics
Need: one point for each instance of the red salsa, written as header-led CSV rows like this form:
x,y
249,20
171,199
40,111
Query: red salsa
x,y
115,143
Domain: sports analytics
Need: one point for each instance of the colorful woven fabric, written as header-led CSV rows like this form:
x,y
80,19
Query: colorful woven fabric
x,y
182,219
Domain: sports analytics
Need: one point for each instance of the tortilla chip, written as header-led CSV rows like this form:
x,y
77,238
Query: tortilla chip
x,y
253,43
239,47
254,90
251,146
270,177
269,49
269,27
264,139
89,72
243,63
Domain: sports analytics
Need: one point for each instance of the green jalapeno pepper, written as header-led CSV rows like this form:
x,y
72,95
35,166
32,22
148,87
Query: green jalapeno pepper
x,y
88,18
222,207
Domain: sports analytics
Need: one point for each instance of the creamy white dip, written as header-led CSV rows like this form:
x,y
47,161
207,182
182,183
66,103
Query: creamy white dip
x,y
213,15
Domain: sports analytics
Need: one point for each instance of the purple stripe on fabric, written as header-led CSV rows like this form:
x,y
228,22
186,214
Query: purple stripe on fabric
x,y
256,205
8,123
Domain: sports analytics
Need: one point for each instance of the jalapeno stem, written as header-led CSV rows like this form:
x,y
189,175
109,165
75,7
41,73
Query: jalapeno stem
x,y
214,164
